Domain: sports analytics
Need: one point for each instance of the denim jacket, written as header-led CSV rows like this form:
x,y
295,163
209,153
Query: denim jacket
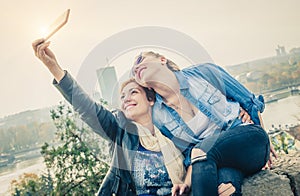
x,y
115,128
216,94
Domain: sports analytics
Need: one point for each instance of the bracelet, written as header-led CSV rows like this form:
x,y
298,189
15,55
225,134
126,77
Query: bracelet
x,y
198,158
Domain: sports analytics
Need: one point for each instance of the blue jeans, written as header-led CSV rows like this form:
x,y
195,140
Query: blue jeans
x,y
233,176
242,148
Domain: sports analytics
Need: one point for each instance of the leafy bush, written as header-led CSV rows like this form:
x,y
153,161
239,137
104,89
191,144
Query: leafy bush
x,y
76,165
282,141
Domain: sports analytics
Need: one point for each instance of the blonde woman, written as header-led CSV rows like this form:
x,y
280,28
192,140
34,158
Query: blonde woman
x,y
198,108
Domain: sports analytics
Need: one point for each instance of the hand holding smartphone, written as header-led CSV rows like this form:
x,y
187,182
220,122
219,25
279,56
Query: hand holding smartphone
x,y
57,24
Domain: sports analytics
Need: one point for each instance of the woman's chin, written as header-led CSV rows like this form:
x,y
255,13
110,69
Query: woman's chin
x,y
130,116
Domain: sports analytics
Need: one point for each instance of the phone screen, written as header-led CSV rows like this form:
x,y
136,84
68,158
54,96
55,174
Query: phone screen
x,y
58,24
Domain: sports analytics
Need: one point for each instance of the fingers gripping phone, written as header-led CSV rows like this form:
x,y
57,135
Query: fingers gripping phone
x,y
57,24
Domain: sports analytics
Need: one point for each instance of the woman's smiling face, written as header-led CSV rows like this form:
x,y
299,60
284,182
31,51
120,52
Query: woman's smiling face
x,y
134,102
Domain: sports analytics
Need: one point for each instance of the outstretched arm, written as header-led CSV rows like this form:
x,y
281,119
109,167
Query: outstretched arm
x,y
42,51
96,116
272,150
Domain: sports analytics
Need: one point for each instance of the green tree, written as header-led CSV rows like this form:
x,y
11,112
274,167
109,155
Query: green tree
x,y
77,164
78,170
32,184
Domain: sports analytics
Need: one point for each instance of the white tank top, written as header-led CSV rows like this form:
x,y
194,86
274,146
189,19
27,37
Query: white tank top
x,y
201,125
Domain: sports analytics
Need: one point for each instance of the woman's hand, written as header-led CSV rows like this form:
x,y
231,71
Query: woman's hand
x,y
43,53
272,150
185,187
180,189
246,118
273,153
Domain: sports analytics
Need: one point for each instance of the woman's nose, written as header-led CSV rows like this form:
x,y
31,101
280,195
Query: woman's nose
x,y
127,98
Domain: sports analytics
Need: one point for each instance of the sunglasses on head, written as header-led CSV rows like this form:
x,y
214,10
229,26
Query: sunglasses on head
x,y
139,59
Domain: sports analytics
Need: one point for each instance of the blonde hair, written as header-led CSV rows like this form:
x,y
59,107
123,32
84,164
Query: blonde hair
x,y
170,64
150,93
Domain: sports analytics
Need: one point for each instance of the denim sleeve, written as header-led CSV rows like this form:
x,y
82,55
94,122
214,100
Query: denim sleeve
x,y
96,116
232,89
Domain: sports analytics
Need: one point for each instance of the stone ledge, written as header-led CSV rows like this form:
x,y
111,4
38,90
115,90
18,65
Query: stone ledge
x,y
283,179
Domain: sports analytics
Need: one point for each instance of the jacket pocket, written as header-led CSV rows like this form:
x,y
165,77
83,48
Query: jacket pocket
x,y
215,97
219,103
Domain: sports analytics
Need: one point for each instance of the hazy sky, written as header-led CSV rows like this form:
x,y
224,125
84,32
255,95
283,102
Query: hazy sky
x,y
231,31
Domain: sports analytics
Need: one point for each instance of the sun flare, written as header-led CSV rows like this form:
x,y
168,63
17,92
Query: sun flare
x,y
43,31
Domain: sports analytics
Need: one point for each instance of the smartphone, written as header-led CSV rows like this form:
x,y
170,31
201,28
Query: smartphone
x,y
57,24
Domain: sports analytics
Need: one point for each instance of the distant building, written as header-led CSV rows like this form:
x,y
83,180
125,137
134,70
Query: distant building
x,y
109,85
280,51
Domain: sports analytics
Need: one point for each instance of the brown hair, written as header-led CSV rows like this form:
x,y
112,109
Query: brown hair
x,y
150,93
171,65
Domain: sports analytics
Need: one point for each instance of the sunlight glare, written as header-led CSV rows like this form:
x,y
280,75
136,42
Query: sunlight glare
x,y
43,31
